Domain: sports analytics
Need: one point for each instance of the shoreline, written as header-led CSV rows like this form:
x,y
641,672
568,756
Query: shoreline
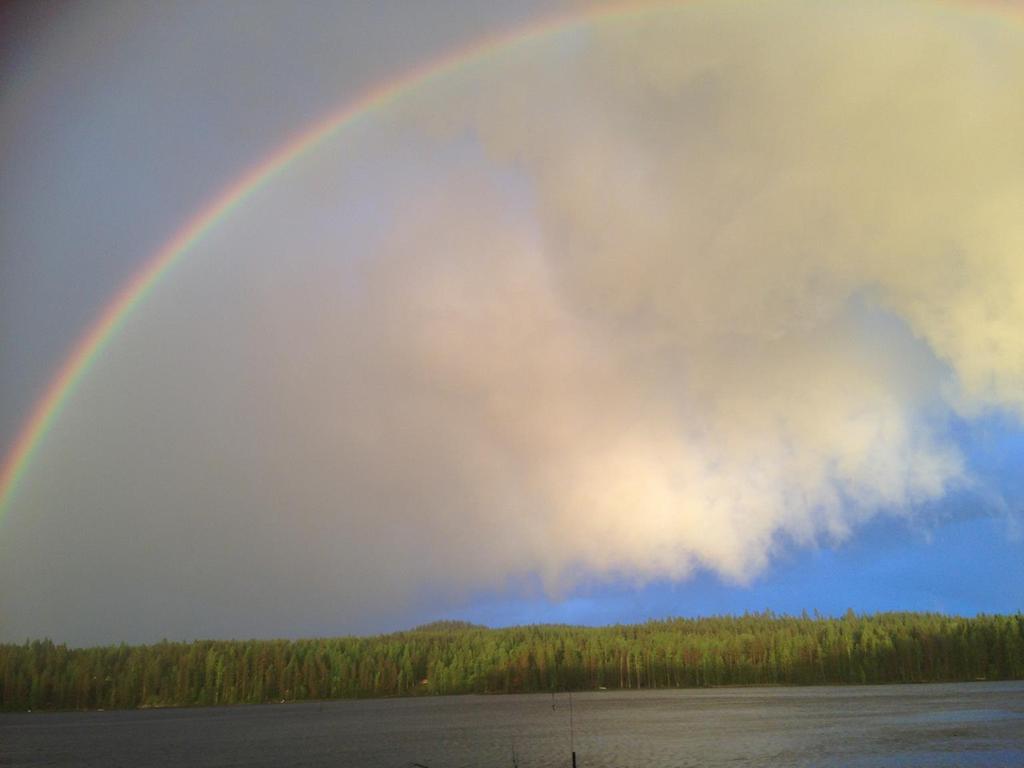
x,y
499,694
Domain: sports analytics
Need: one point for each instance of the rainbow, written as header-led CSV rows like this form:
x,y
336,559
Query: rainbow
x,y
90,345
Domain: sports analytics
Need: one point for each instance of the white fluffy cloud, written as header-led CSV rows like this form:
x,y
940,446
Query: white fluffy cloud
x,y
778,243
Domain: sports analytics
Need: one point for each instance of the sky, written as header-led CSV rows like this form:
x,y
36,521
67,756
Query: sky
x,y
652,310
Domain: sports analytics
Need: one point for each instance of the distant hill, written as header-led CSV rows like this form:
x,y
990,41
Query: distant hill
x,y
447,625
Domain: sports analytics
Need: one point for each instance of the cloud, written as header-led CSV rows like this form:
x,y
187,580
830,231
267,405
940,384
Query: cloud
x,y
793,238
672,291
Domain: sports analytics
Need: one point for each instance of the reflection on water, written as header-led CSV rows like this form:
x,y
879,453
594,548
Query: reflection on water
x,y
968,724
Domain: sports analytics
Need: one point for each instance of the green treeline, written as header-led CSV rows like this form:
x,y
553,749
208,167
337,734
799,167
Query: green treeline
x,y
454,657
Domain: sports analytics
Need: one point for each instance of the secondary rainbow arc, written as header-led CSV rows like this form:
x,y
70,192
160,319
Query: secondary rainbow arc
x,y
92,343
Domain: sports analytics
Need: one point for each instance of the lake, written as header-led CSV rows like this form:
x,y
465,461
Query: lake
x,y
965,724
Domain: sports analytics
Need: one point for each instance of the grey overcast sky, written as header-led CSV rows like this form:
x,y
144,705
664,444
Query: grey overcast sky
x,y
119,119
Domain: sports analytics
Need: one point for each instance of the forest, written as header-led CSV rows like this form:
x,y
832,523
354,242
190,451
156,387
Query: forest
x,y
456,657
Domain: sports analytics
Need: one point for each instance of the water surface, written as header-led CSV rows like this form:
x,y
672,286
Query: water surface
x,y
968,724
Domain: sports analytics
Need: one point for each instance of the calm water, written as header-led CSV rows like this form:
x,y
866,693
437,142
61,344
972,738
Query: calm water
x,y
973,724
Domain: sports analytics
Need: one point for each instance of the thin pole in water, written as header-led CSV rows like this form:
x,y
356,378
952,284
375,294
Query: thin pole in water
x,y
572,734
